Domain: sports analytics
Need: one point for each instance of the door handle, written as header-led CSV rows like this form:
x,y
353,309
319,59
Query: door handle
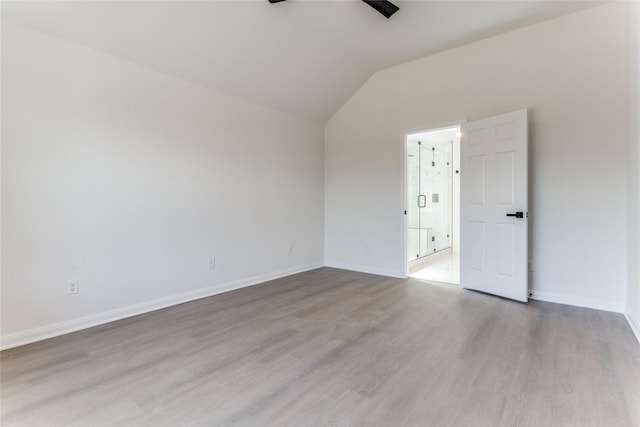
x,y
517,214
424,199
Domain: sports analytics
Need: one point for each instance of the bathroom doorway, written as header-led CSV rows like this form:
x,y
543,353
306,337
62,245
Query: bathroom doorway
x,y
433,204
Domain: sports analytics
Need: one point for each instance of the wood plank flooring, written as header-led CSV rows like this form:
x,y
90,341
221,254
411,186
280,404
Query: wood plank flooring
x,y
333,347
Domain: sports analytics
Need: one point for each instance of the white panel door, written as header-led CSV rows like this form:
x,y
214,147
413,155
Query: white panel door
x,y
493,205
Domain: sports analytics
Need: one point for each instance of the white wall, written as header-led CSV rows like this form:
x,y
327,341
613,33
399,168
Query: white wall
x,y
633,291
129,180
571,73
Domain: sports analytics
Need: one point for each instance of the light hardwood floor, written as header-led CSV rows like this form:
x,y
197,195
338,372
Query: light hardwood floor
x,y
332,347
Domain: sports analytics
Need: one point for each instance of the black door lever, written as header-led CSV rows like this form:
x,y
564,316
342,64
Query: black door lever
x,y
517,214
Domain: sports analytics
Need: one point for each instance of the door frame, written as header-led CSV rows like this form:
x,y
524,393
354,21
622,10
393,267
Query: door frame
x,y
405,185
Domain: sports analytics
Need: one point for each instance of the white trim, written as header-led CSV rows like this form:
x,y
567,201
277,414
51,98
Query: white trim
x,y
404,207
635,327
363,269
577,301
405,188
73,325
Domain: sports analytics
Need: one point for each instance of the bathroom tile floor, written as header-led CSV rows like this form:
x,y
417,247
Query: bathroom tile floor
x,y
440,267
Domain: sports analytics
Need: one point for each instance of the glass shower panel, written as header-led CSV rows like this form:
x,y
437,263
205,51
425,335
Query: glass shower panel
x,y
429,198
426,209
440,198
413,190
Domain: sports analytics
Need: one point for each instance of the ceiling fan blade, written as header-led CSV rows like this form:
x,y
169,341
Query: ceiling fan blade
x,y
384,7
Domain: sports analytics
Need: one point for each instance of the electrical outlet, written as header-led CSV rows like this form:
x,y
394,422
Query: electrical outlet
x,y
290,250
212,263
73,286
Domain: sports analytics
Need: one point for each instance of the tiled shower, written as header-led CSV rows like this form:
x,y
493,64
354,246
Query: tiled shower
x,y
429,176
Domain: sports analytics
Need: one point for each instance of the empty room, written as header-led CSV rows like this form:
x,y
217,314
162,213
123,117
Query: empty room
x,y
299,212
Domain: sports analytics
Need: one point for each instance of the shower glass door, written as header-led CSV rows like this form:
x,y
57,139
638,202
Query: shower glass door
x,y
429,200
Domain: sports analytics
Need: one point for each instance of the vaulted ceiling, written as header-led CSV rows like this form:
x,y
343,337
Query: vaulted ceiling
x,y
301,57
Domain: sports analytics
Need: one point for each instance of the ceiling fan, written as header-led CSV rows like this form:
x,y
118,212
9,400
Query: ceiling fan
x,y
386,8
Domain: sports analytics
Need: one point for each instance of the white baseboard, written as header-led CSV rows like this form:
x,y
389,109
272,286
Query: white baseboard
x,y
363,269
73,325
635,326
577,301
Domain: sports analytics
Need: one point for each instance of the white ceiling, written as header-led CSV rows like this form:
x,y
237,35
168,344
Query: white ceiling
x,y
435,136
302,57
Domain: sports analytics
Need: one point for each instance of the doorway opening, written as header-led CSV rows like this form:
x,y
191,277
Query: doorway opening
x,y
433,204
